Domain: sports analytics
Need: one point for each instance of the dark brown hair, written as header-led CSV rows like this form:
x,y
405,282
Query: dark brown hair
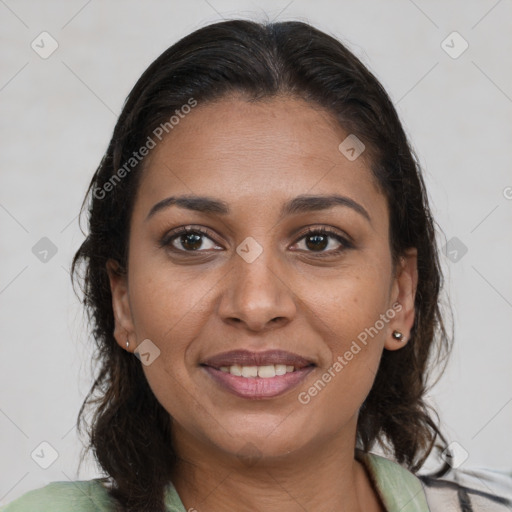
x,y
130,431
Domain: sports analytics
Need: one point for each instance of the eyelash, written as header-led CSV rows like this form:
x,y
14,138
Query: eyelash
x,y
168,238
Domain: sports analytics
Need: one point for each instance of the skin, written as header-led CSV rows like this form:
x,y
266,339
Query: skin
x,y
193,305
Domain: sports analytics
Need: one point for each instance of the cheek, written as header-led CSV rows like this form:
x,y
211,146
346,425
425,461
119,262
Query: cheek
x,y
351,313
163,311
164,302
350,304
168,308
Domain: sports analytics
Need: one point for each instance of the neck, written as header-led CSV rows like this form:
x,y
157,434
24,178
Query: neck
x,y
323,476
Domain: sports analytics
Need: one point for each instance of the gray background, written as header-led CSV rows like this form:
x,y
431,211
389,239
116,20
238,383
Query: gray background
x,y
57,118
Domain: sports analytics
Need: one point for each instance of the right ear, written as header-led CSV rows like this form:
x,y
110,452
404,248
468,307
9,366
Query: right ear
x,y
124,328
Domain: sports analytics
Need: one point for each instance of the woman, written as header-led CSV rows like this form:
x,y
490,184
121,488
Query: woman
x,y
260,240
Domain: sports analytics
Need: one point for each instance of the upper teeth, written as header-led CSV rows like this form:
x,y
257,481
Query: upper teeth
x,y
264,372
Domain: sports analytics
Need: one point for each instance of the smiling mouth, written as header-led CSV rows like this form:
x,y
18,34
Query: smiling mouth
x,y
256,387
258,375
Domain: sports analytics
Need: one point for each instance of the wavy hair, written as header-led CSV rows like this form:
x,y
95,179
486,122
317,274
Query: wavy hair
x,y
129,432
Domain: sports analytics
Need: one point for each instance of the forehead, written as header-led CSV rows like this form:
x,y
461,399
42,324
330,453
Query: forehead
x,y
257,152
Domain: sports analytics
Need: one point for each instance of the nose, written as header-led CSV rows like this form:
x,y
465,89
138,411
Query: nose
x,y
258,295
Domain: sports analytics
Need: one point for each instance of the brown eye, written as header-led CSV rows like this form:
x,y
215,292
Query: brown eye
x,y
188,240
324,241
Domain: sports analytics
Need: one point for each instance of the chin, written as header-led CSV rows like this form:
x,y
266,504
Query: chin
x,y
263,439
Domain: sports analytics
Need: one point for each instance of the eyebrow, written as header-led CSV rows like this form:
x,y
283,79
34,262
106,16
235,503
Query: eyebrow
x,y
299,204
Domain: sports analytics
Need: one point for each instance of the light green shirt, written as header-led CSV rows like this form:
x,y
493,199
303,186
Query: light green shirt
x,y
398,488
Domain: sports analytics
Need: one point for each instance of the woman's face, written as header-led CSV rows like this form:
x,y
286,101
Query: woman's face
x,y
249,277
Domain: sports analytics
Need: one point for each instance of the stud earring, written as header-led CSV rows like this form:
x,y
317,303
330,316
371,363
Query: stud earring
x,y
398,336
127,343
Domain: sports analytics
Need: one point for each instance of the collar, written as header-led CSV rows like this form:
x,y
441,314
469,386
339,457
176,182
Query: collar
x,y
397,487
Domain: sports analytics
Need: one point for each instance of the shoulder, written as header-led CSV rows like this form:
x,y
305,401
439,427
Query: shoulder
x,y
79,496
469,489
458,490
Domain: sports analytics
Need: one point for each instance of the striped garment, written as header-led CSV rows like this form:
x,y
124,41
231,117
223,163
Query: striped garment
x,y
469,490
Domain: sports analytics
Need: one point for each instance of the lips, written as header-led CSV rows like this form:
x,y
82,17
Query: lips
x,y
258,375
248,358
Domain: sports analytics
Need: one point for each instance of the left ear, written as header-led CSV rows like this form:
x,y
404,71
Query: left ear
x,y
403,292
